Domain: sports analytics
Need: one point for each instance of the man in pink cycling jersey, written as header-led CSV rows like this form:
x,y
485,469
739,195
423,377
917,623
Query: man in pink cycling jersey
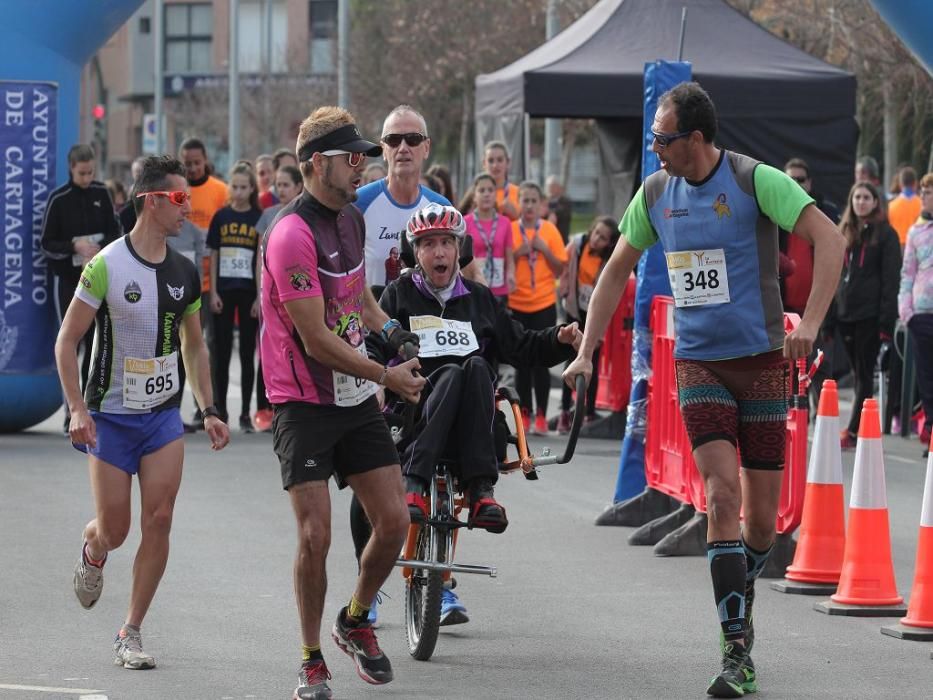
x,y
322,386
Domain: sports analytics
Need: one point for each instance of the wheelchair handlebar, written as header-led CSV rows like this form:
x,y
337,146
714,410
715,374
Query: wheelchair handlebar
x,y
408,351
579,414
575,427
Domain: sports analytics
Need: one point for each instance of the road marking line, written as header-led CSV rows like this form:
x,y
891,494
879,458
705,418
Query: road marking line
x,y
905,460
47,689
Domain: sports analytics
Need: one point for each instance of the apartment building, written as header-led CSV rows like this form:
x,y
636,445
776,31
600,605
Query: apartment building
x,y
287,57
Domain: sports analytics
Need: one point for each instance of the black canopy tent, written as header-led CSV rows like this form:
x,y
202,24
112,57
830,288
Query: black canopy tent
x,y
774,100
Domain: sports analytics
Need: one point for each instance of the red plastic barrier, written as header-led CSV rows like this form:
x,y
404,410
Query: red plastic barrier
x,y
615,357
669,465
667,448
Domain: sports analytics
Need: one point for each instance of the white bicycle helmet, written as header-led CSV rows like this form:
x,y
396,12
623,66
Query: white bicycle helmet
x,y
435,218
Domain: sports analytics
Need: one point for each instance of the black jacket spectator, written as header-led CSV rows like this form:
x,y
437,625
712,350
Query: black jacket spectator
x,y
870,280
73,211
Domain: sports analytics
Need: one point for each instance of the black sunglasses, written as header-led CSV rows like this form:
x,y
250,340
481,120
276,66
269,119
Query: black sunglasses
x,y
799,179
412,139
665,140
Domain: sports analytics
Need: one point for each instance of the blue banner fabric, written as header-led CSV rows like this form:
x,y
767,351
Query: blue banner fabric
x,y
660,76
28,114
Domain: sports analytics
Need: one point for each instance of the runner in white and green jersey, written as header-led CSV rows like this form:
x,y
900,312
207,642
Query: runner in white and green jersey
x,y
144,297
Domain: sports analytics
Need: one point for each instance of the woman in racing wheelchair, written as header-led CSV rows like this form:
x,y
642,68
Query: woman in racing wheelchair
x,y
462,333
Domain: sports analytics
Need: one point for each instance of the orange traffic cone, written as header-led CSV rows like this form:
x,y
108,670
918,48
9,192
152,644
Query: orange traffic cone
x,y
918,625
821,544
866,585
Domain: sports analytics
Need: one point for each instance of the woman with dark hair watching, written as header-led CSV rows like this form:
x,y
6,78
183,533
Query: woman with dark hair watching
x,y
443,174
587,254
866,299
233,241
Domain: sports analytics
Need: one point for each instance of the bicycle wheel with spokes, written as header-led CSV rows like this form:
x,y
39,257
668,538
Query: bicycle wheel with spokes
x,y
423,594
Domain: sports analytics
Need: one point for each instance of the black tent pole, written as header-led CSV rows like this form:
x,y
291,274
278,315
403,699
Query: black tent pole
x,y
683,27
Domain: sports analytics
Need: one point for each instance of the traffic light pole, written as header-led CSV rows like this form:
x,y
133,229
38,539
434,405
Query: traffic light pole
x,y
159,86
100,123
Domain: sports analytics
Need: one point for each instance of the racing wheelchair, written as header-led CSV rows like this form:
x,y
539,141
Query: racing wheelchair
x,y
428,557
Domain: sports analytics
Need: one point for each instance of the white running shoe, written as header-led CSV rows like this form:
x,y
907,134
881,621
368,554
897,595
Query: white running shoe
x,y
88,581
128,647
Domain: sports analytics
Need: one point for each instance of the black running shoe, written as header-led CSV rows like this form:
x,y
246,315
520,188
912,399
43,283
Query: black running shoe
x,y
359,643
312,682
736,678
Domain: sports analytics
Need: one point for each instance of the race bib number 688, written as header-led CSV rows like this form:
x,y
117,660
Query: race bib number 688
x,y
439,337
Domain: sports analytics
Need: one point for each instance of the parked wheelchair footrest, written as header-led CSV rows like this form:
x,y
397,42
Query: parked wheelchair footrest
x,y
490,571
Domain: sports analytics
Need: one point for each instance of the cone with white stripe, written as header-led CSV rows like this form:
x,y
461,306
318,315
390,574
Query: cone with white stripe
x,y
866,584
821,543
918,625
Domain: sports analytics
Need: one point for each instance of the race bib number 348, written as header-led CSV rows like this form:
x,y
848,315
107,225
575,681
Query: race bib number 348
x,y
698,277
440,337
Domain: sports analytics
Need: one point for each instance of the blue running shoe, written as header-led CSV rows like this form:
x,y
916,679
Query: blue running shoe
x,y
373,617
453,611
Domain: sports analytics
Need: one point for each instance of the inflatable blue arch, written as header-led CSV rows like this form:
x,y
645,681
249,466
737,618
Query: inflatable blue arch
x,y
44,46
911,20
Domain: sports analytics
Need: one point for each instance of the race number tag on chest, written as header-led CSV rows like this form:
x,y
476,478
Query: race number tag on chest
x,y
584,294
236,263
440,337
148,383
350,390
495,272
698,277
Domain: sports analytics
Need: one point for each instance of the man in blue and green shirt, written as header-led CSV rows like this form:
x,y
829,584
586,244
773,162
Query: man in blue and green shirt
x,y
717,213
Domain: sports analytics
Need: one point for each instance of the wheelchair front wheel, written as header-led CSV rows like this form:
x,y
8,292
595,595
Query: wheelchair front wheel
x,y
423,594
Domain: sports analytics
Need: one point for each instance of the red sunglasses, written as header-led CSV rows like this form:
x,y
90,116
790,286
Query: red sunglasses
x,y
177,197
353,159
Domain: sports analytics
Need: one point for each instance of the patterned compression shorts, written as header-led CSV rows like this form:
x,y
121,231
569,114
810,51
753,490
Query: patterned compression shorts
x,y
743,400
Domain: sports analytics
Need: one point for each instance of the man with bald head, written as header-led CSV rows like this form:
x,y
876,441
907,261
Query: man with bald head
x,y
387,204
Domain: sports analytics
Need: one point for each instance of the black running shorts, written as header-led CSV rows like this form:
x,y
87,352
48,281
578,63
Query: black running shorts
x,y
314,441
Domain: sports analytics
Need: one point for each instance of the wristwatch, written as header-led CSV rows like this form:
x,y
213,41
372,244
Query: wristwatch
x,y
210,411
388,327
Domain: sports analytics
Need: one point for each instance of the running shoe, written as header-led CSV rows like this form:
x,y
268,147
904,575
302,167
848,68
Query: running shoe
x,y
246,424
541,424
312,682
128,647
88,580
563,423
737,676
526,420
263,420
360,644
453,611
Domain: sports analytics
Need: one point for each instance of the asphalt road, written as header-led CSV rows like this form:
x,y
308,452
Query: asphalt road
x,y
574,613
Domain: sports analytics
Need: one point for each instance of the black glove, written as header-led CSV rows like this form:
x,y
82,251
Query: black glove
x,y
399,338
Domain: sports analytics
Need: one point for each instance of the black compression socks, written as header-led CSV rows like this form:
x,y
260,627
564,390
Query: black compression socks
x,y
728,570
755,560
